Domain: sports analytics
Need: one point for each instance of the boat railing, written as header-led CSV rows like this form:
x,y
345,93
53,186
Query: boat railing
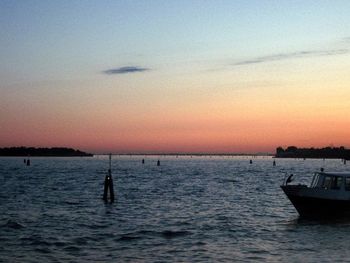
x,y
287,179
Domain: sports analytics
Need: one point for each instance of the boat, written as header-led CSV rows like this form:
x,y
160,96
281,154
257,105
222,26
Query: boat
x,y
327,196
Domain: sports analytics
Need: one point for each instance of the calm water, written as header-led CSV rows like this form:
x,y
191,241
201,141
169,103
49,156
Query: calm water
x,y
218,209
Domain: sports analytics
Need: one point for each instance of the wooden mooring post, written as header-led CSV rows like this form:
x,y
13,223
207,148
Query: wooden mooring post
x,y
109,183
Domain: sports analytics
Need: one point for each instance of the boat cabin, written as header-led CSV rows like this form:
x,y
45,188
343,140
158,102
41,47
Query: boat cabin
x,y
332,181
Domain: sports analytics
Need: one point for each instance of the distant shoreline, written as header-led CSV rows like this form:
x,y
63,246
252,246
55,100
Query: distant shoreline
x,y
314,153
42,152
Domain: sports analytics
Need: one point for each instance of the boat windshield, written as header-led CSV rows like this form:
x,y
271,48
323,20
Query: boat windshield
x,y
330,181
315,180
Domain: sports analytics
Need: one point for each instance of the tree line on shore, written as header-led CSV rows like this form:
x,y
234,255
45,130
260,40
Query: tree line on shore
x,y
326,153
32,151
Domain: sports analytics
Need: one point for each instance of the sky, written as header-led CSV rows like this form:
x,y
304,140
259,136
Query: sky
x,y
174,76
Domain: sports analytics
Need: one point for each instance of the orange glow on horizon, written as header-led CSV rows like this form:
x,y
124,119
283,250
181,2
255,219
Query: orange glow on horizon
x,y
305,109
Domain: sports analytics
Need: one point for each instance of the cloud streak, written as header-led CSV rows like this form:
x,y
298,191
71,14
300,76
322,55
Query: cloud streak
x,y
292,55
125,70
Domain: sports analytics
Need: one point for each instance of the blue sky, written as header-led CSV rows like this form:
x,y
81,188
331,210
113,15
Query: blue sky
x,y
73,39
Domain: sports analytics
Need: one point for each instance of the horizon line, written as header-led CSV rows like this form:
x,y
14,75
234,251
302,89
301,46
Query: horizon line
x,y
193,154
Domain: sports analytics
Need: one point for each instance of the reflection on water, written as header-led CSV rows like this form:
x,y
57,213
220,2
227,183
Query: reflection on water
x,y
186,209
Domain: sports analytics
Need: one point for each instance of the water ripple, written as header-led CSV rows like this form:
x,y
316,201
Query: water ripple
x,y
198,209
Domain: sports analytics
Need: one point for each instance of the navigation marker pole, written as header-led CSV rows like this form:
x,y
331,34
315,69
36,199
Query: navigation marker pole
x,y
109,183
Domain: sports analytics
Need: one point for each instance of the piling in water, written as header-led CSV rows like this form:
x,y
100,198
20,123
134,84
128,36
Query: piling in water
x,y
143,161
108,185
28,162
158,163
250,161
274,163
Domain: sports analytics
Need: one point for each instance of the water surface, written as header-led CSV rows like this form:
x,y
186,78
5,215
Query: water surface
x,y
216,209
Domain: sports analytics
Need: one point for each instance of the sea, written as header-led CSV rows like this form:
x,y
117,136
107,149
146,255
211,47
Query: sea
x,y
187,209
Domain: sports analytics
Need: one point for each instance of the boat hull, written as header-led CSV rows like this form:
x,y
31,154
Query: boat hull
x,y
311,206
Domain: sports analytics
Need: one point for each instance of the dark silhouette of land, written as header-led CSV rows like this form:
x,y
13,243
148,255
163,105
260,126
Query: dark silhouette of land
x,y
320,153
53,152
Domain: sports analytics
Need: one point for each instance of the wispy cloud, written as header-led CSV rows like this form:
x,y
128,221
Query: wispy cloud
x,y
125,70
292,55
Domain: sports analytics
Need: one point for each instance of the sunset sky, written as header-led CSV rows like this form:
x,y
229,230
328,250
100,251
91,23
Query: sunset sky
x,y
174,76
